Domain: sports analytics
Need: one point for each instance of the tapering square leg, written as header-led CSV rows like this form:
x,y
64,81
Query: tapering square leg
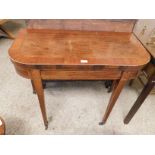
x,y
33,88
145,92
37,83
117,88
34,92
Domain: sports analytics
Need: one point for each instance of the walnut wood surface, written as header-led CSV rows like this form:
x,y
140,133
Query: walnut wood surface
x,y
59,47
56,55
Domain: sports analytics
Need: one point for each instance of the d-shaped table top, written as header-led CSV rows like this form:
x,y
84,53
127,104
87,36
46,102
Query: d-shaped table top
x,y
72,47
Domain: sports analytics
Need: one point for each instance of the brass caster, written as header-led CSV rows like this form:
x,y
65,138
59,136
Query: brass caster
x,y
101,123
34,92
126,122
46,126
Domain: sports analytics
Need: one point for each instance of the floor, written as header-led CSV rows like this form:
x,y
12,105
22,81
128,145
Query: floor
x,y
72,107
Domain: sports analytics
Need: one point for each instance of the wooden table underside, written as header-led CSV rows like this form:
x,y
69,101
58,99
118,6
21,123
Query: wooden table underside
x,y
110,62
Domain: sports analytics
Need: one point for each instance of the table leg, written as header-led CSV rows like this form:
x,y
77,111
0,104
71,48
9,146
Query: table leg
x,y
117,87
37,82
34,92
43,83
145,92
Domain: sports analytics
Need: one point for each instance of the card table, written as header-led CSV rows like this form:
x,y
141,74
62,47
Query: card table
x,y
46,54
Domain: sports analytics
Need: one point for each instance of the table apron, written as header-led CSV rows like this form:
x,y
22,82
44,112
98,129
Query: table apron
x,y
77,74
81,75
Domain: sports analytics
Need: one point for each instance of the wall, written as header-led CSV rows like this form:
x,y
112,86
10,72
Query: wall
x,y
144,29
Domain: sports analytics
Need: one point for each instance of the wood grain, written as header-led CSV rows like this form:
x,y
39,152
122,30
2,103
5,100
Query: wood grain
x,y
59,47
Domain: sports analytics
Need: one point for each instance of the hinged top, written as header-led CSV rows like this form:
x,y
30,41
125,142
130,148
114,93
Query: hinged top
x,y
69,47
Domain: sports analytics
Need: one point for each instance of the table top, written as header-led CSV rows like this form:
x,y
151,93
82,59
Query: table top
x,y
72,47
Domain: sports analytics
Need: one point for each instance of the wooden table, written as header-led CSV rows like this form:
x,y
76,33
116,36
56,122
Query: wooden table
x,y
77,55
